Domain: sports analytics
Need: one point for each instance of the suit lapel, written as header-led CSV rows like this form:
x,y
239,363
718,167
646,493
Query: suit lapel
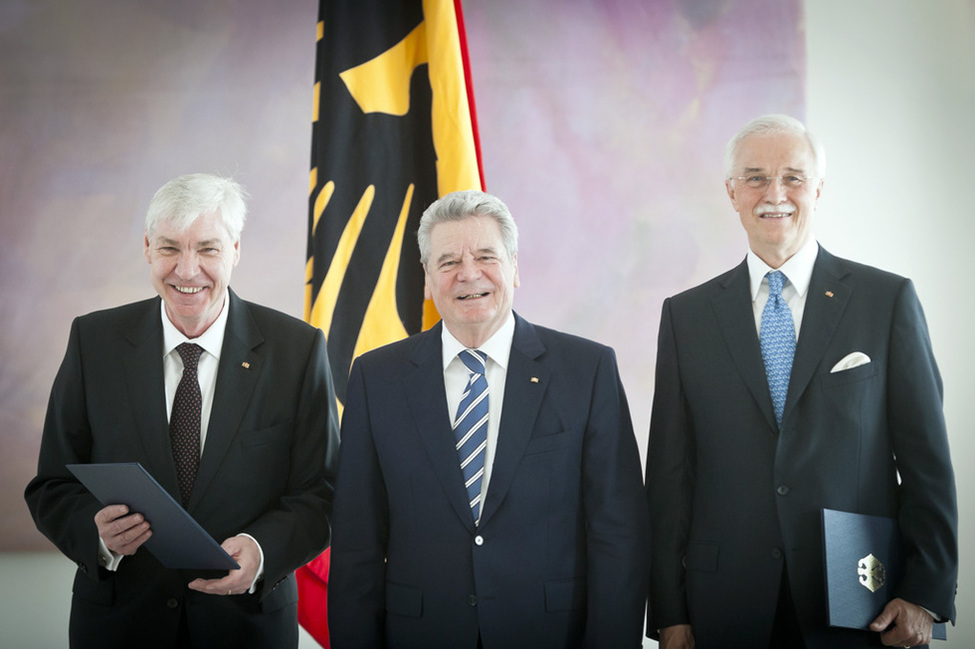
x,y
736,321
522,400
143,367
825,303
237,375
428,405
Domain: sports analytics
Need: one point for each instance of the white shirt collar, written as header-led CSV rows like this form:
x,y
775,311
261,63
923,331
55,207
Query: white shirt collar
x,y
798,268
210,340
497,347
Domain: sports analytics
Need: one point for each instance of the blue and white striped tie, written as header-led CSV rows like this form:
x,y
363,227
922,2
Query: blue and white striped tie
x,y
778,339
470,428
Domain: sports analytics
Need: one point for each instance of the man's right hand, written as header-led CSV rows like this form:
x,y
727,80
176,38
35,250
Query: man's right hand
x,y
122,532
678,636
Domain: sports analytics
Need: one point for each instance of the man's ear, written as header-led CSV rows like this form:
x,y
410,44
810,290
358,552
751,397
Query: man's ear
x,y
729,186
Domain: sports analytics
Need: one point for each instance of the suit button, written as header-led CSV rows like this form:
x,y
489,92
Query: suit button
x,y
472,600
172,602
776,553
478,540
782,490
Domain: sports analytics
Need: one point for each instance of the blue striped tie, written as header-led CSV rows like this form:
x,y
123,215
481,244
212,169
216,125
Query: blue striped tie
x,y
778,338
470,428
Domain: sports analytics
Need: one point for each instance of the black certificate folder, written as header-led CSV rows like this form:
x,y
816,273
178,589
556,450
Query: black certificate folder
x,y
864,561
177,540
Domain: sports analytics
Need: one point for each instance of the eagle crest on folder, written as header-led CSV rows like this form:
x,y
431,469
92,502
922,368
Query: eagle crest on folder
x,y
872,573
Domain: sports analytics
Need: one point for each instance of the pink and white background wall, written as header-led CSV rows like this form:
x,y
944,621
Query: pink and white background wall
x,y
602,126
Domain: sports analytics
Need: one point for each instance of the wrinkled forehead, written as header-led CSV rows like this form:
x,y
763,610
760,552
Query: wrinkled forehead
x,y
474,232
774,153
198,227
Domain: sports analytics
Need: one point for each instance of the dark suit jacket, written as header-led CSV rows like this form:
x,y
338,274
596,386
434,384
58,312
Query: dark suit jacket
x,y
734,501
266,470
559,557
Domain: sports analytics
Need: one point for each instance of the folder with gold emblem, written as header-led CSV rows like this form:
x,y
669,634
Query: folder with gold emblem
x,y
864,561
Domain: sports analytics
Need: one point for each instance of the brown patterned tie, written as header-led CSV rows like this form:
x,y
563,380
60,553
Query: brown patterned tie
x,y
184,421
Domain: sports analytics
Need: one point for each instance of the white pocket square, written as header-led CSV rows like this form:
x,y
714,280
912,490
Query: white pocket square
x,y
854,359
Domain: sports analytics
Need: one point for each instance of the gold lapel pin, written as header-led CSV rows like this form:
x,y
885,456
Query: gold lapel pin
x,y
245,365
534,379
829,293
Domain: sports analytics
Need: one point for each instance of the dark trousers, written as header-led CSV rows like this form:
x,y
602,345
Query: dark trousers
x,y
786,633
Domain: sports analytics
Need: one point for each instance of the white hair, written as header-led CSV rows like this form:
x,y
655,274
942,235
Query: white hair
x,y
774,125
182,200
460,205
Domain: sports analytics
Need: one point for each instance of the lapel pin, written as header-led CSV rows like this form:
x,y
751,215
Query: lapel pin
x,y
534,379
829,293
245,365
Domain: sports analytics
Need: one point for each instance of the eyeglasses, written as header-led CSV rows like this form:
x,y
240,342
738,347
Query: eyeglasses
x,y
792,181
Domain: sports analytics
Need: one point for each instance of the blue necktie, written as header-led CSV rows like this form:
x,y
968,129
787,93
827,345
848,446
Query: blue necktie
x,y
778,340
470,428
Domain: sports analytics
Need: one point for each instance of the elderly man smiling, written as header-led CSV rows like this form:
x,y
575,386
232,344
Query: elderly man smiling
x,y
795,382
489,492
229,405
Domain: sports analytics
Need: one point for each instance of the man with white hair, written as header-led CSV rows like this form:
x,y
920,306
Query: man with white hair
x,y
793,383
489,494
228,404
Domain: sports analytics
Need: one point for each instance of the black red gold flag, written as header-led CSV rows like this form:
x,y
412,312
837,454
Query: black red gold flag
x,y
394,128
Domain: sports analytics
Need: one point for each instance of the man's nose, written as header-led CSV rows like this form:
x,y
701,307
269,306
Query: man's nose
x,y
187,265
776,190
469,269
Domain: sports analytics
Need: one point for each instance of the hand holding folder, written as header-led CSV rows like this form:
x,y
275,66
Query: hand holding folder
x,y
864,562
177,540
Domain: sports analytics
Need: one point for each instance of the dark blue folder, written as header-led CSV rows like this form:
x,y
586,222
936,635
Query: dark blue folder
x,y
177,540
864,562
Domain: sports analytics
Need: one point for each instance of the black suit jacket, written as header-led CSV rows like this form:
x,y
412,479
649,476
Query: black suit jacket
x,y
266,470
559,557
734,500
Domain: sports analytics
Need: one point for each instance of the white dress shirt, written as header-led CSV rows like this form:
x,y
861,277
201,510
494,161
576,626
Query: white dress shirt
x,y
798,270
211,341
455,375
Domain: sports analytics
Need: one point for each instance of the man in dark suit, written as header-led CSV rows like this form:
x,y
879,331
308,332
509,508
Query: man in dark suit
x,y
745,452
539,540
262,445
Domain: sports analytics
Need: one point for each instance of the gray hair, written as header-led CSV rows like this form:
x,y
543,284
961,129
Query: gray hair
x,y
182,200
774,125
458,206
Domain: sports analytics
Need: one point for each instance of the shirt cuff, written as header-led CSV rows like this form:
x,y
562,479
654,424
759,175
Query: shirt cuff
x,y
108,559
260,569
934,616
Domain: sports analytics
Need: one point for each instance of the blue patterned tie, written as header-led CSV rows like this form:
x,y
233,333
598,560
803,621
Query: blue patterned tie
x,y
778,340
470,428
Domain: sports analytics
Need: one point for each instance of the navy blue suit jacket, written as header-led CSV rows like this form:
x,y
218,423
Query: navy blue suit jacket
x,y
734,500
267,470
559,557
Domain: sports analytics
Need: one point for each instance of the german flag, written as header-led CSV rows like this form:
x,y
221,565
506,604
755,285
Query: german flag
x,y
394,128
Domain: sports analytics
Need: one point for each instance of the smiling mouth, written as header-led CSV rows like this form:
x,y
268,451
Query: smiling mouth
x,y
471,296
775,215
188,290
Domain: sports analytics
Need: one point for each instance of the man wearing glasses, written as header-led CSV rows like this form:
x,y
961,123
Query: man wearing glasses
x,y
795,382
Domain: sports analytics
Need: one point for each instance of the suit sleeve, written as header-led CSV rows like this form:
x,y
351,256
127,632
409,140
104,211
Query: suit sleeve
x,y
357,577
670,477
928,512
297,529
62,508
616,516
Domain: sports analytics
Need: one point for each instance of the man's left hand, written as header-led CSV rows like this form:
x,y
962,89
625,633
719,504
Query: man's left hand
x,y
245,552
902,624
